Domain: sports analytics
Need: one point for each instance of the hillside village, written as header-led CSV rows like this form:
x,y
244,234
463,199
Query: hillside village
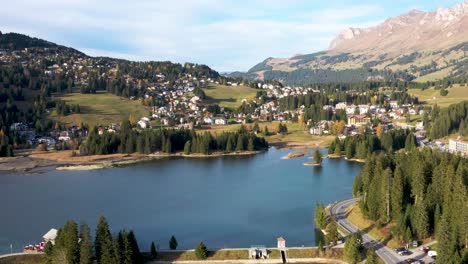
x,y
178,100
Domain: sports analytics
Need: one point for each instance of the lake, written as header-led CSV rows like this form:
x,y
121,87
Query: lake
x,y
224,201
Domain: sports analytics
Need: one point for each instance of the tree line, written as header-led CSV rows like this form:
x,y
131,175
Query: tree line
x,y
363,145
423,192
449,120
130,140
73,245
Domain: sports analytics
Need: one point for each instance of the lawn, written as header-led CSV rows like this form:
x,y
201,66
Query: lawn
x,y
228,96
296,135
455,95
100,109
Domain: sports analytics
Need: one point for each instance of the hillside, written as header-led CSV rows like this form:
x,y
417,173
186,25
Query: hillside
x,y
425,46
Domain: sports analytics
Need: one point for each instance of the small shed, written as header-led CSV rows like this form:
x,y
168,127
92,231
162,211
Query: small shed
x,y
281,243
50,236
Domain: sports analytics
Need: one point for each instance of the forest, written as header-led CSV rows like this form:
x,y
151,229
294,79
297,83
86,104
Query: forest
x,y
169,141
424,193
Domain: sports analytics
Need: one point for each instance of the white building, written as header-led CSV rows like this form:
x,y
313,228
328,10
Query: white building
x,y
221,121
458,146
50,236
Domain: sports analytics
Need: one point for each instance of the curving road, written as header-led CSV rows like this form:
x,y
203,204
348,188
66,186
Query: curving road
x,y
387,254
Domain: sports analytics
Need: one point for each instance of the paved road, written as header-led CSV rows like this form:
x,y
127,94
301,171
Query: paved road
x,y
387,254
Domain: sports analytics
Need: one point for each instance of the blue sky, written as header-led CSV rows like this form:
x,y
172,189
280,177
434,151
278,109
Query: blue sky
x,y
226,35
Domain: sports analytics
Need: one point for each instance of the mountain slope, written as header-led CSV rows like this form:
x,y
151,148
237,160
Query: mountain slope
x,y
423,45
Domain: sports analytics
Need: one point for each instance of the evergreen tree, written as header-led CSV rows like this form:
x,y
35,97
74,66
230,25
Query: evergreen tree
x,y
103,242
337,149
250,145
201,251
86,247
317,157
187,147
240,143
66,247
352,249
320,216
135,249
397,193
153,251
49,253
332,232
371,257
173,243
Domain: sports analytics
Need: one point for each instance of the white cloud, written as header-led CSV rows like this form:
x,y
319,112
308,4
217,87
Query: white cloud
x,y
226,35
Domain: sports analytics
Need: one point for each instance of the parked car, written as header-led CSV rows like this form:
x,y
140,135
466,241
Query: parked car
x,y
424,249
404,252
399,249
415,243
432,253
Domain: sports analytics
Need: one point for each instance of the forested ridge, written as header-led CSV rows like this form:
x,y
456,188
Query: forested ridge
x,y
424,193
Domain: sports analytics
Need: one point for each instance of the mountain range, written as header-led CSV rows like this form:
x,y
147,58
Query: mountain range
x,y
419,46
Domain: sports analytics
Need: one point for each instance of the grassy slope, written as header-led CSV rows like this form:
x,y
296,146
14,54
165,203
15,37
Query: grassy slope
x,y
228,96
434,76
355,216
455,95
295,136
100,109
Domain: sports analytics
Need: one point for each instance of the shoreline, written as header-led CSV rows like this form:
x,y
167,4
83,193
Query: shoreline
x,y
35,162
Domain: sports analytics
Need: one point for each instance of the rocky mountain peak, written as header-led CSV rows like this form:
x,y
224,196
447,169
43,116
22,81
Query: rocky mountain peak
x,y
413,30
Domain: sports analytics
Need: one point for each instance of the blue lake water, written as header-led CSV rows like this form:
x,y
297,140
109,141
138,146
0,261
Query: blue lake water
x,y
223,201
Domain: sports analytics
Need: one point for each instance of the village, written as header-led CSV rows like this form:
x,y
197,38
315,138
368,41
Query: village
x,y
181,103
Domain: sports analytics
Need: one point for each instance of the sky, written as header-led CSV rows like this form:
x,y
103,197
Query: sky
x,y
227,35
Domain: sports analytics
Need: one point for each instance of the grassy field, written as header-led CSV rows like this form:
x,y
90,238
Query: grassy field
x,y
100,109
25,259
228,96
455,95
295,137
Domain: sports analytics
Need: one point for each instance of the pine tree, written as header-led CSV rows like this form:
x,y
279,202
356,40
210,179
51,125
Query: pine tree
x,y
317,157
153,251
240,143
135,249
250,145
66,247
332,232
173,243
338,149
86,247
187,147
49,253
201,251
320,218
444,237
421,220
397,193
352,249
371,257
103,240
